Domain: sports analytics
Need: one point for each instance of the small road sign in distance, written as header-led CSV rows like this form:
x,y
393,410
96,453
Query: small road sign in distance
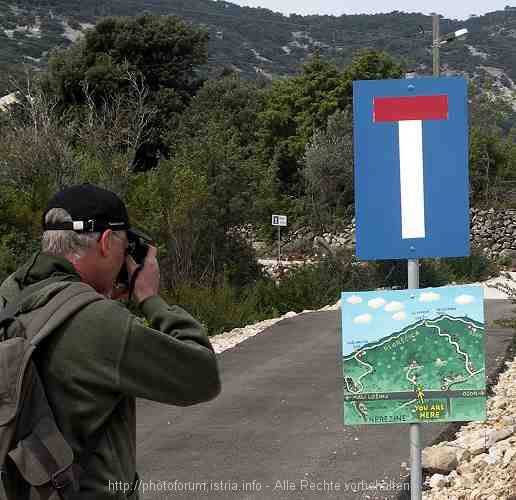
x,y
279,220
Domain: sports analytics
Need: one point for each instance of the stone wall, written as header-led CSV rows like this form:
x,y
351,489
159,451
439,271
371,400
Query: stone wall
x,y
494,231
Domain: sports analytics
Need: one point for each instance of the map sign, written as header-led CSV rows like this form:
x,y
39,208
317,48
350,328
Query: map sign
x,y
413,356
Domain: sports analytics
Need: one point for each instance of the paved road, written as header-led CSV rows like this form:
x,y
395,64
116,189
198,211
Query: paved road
x,y
278,423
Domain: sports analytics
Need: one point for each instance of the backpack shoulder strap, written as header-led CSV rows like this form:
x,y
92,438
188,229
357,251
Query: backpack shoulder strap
x,y
69,300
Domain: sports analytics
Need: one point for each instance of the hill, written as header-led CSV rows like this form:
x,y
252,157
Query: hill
x,y
433,363
259,43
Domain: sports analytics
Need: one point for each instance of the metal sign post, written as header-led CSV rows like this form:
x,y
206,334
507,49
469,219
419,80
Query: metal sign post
x,y
279,220
416,470
279,245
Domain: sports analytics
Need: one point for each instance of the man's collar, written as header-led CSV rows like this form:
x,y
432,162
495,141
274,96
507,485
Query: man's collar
x,y
44,265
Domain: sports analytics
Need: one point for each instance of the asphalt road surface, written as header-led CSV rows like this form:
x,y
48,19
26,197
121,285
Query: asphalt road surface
x,y
276,432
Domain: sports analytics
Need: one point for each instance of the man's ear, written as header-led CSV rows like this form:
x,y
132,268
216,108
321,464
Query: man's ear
x,y
106,242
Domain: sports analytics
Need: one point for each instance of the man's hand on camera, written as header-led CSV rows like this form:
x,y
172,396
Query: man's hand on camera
x,y
147,281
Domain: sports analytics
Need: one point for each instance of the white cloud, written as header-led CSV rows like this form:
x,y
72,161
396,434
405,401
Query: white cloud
x,y
363,319
354,299
429,297
464,299
376,303
394,306
399,316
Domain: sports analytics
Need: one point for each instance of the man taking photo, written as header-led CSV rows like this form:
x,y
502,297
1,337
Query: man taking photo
x,y
98,361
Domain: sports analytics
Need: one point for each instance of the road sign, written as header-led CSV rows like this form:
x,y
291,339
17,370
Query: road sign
x,y
411,168
279,220
413,356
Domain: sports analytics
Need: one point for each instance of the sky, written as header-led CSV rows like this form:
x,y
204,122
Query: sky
x,y
458,9
370,316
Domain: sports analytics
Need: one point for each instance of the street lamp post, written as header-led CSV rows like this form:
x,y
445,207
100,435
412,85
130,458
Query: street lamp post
x,y
438,41
435,45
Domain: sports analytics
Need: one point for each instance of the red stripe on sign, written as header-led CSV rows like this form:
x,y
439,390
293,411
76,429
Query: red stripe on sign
x,y
395,109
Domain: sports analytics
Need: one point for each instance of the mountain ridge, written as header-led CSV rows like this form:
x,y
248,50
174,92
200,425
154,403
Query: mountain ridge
x,y
394,335
259,43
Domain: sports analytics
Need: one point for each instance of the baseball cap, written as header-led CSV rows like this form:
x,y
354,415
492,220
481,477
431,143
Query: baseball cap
x,y
92,208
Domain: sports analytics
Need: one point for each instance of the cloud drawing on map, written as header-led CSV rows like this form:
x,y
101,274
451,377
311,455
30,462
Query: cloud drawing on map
x,y
394,306
354,299
429,297
363,319
376,303
464,299
399,316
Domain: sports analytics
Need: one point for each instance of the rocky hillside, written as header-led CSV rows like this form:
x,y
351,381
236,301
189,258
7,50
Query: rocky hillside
x,y
260,43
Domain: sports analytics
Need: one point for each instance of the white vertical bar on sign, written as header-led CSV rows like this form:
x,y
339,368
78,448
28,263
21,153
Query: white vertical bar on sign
x,y
411,179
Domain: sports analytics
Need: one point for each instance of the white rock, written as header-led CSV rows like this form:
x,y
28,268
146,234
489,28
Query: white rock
x,y
478,446
438,481
495,435
500,403
439,458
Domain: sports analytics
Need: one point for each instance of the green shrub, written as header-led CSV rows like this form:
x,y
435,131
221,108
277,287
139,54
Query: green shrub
x,y
15,249
218,308
476,267
437,272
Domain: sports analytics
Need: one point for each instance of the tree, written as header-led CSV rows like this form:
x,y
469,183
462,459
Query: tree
x,y
221,186
328,172
372,65
35,156
488,112
164,50
42,151
492,168
298,106
295,108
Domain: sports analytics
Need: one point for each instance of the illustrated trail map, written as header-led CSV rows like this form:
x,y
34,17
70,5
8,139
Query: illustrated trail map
x,y
413,355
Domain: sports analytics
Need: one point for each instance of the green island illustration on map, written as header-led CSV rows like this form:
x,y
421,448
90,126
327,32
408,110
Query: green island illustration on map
x,y
432,370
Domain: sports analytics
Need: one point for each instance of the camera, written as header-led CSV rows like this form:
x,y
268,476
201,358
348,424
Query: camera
x,y
137,249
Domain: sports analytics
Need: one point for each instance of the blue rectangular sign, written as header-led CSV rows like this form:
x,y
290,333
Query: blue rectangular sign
x,y
411,168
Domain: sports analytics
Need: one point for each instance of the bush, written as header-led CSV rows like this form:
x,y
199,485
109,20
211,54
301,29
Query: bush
x,y
476,267
15,249
437,272
226,305
218,308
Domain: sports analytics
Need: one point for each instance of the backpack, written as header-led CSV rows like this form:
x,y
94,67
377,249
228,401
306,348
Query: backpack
x,y
36,462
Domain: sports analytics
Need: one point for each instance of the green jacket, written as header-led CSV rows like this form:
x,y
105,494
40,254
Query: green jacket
x,y
99,361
